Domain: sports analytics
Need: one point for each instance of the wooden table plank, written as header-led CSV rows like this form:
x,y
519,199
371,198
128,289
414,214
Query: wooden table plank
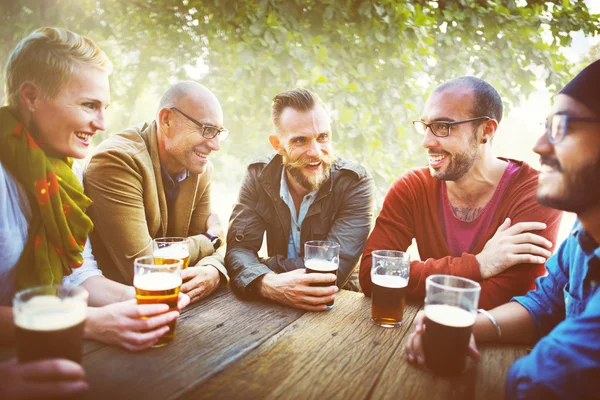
x,y
494,364
209,336
335,354
483,380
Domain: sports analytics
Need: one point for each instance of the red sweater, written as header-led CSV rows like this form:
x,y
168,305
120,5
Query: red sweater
x,y
411,210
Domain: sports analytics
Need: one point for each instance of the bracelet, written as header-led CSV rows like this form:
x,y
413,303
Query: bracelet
x,y
492,320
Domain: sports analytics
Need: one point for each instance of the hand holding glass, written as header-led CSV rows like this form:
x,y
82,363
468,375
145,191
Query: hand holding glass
x,y
158,281
322,257
450,312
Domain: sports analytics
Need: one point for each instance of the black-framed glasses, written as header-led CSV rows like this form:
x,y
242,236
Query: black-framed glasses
x,y
441,128
558,125
207,131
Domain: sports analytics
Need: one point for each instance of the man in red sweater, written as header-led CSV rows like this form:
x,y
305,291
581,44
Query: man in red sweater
x,y
472,214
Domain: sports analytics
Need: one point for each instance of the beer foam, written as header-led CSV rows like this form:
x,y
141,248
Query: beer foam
x,y
321,265
449,315
49,313
390,281
173,251
157,281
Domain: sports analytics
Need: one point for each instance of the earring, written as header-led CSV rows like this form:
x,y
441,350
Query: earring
x,y
484,141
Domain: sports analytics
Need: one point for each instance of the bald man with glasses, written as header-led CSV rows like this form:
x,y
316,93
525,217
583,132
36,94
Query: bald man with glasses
x,y
152,181
472,214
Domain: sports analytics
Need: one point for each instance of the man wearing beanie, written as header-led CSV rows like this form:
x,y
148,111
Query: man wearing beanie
x,y
562,316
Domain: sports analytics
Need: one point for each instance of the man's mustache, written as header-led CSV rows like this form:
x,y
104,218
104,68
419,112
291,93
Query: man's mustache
x,y
302,162
551,162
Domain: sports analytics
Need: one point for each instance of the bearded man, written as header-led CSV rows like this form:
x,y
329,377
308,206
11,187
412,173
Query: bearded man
x,y
472,214
301,193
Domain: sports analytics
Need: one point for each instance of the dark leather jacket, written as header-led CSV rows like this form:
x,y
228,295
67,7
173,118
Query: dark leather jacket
x,y
342,212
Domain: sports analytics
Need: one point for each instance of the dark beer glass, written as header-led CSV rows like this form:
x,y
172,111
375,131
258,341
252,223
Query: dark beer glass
x,y
322,257
450,312
49,322
389,273
158,281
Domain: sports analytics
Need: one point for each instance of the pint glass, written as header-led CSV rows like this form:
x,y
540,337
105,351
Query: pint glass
x,y
322,257
172,247
158,280
49,322
450,312
389,273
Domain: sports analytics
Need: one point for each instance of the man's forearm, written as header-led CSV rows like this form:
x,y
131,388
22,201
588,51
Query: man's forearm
x,y
514,321
263,287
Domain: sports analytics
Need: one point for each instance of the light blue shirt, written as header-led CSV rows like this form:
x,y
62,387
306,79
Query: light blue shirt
x,y
297,217
565,308
15,216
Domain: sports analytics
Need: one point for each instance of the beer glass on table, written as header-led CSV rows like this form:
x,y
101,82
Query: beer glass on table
x,y
389,273
49,322
158,280
322,257
172,247
450,312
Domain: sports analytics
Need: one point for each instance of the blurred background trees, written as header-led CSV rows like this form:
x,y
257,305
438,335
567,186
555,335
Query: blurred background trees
x,y
373,62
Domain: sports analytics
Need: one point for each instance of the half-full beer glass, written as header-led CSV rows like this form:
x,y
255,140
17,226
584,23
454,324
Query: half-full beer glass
x,y
49,322
158,280
389,273
173,247
450,312
322,257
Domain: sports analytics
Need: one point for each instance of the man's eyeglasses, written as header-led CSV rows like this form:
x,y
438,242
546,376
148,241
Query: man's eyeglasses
x,y
207,131
557,126
441,129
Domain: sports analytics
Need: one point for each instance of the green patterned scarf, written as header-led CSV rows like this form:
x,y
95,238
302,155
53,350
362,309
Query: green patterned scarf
x,y
59,227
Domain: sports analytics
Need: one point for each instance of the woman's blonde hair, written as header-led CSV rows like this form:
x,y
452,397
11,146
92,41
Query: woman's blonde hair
x,y
48,57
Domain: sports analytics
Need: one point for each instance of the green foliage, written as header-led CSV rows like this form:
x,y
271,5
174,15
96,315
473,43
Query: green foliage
x,y
373,62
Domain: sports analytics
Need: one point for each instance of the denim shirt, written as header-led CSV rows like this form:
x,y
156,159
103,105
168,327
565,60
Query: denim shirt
x,y
297,218
565,309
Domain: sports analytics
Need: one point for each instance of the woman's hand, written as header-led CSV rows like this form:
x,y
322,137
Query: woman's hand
x,y
130,325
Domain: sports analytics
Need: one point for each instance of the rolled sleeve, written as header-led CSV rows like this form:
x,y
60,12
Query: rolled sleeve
x,y
564,364
87,270
546,303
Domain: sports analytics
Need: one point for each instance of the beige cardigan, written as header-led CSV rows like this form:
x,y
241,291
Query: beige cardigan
x,y
124,180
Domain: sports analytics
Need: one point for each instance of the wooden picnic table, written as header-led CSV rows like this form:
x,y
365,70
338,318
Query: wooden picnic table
x,y
228,348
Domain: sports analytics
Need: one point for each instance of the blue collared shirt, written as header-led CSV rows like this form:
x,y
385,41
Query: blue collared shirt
x,y
297,218
172,185
565,309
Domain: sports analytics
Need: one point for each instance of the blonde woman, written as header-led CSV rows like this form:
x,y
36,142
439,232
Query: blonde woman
x,y
57,91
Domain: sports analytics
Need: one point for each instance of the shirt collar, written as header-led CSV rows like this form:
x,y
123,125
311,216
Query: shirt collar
x,y
178,179
586,241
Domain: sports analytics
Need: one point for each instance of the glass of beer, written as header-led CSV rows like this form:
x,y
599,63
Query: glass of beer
x,y
158,280
49,322
322,257
173,247
389,273
450,312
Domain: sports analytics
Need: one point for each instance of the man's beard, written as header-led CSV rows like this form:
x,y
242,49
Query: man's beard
x,y
313,181
581,190
459,163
